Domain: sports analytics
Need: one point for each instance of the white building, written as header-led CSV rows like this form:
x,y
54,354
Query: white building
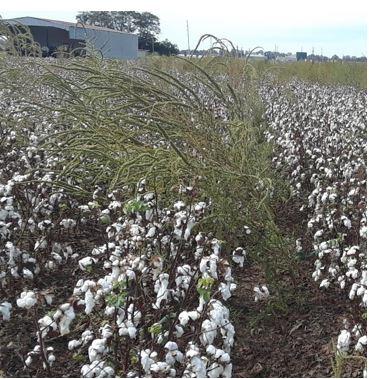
x,y
52,34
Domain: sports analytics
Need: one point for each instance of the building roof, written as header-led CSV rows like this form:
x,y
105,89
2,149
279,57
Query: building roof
x,y
36,21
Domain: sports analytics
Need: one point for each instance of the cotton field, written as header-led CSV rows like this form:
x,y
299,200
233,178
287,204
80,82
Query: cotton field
x,y
320,137
135,203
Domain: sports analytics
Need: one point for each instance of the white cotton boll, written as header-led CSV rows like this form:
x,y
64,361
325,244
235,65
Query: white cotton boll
x,y
146,360
51,359
87,336
89,302
123,331
190,224
325,283
40,244
225,358
178,356
261,294
136,230
361,343
85,262
151,233
106,331
353,291
155,367
28,361
179,331
86,371
225,291
351,262
179,205
353,250
211,350
346,222
171,346
162,293
27,300
238,256
68,223
183,318
5,309
45,323
209,332
318,234
48,298
193,315
344,340
107,372
353,273
363,232
361,290
169,359
27,274
199,367
67,316
132,332
96,349
218,353
227,372
214,370
73,344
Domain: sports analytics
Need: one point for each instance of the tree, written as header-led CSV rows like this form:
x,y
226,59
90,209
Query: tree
x,y
148,27
166,48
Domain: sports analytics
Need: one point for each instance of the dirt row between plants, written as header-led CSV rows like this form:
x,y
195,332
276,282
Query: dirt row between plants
x,y
294,342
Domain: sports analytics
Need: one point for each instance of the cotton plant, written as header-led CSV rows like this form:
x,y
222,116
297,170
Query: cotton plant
x,y
108,293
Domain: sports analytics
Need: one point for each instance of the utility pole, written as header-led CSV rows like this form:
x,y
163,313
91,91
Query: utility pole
x,y
188,39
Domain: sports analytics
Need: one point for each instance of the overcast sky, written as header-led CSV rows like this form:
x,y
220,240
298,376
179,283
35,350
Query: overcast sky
x,y
328,26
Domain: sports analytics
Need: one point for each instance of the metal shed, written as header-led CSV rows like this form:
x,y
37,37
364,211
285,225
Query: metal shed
x,y
52,34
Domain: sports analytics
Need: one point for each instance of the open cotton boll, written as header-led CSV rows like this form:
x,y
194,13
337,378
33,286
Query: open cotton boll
x,y
97,349
5,309
84,263
344,340
146,360
161,286
27,300
227,372
325,283
87,336
170,345
64,316
215,370
73,344
209,332
199,367
261,294
183,318
238,256
89,302
46,323
179,331
68,223
189,226
361,343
